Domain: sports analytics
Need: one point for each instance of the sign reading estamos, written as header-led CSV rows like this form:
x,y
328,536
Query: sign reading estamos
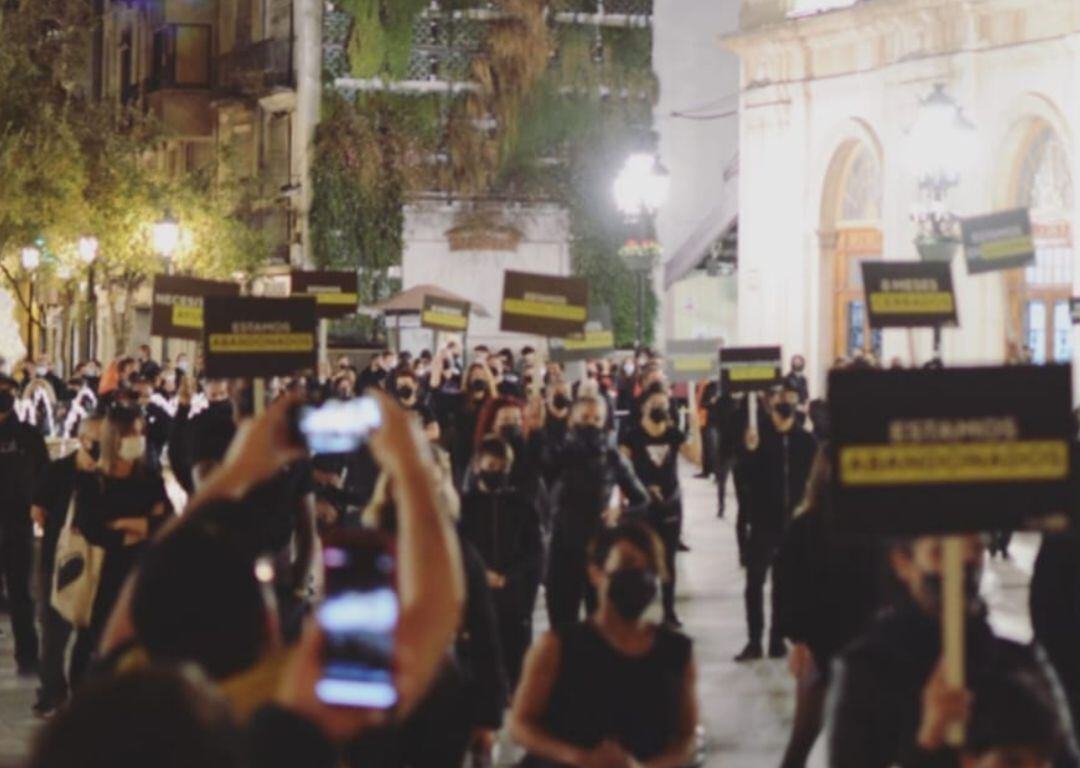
x,y
932,451
257,337
336,294
177,311
445,314
909,294
544,305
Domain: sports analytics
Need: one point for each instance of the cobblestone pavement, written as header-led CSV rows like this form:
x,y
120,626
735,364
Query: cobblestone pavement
x,y
746,709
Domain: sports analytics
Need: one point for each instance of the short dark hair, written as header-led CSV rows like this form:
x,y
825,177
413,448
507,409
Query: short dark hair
x,y
496,447
157,716
527,350
197,599
638,535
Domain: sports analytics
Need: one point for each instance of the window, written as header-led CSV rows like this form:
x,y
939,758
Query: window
x,y
182,56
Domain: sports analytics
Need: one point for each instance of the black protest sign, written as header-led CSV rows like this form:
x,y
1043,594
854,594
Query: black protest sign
x,y
256,337
544,305
177,311
336,294
909,294
597,341
1074,310
998,241
750,369
692,360
951,450
445,314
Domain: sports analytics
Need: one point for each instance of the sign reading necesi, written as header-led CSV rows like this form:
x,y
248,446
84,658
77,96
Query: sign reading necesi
x,y
544,305
336,294
688,360
996,241
749,369
177,311
951,450
909,294
445,314
597,341
257,337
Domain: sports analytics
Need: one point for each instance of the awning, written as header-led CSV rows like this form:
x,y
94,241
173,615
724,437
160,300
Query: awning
x,y
412,300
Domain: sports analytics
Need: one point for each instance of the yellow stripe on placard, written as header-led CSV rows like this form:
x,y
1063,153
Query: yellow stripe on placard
x,y
337,299
946,463
260,343
1005,249
549,311
184,316
444,320
592,340
911,303
692,364
753,373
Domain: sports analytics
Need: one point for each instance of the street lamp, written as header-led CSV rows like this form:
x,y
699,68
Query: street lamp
x,y
166,237
641,189
88,252
31,260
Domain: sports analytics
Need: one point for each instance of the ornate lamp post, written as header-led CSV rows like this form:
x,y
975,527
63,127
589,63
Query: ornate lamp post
x,y
641,189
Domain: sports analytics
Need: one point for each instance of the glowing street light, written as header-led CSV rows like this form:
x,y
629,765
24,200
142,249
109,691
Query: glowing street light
x,y
88,249
642,187
166,236
30,258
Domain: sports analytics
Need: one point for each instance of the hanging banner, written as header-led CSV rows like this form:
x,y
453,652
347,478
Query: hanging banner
x,y
951,450
750,369
256,337
544,305
177,311
445,314
597,341
998,241
688,360
909,294
336,294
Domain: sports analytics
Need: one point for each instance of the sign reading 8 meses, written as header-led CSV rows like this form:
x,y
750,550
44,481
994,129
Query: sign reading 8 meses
x,y
443,314
909,294
258,337
951,450
750,369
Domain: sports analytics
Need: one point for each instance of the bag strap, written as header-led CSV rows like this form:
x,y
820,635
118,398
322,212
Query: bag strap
x,y
69,520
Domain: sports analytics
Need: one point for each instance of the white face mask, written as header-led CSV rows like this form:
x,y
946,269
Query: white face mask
x,y
41,370
181,365
132,448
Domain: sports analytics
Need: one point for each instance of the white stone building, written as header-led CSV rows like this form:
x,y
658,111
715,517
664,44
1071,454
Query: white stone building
x,y
829,90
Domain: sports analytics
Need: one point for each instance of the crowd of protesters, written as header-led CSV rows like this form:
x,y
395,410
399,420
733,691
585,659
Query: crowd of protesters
x,y
507,483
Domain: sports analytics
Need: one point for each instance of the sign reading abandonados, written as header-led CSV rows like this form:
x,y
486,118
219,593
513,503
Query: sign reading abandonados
x,y
968,449
256,337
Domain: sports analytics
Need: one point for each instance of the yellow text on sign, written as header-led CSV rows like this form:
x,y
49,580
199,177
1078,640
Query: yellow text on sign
x,y
692,364
911,303
187,317
940,463
753,373
261,343
445,320
337,299
592,340
1005,249
541,309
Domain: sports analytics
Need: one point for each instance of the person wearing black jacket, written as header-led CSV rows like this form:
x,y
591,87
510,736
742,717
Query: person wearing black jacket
x,y
882,683
722,408
1055,609
828,587
586,472
501,523
23,460
778,463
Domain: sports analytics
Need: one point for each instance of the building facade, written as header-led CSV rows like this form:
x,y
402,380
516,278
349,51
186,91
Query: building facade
x,y
828,93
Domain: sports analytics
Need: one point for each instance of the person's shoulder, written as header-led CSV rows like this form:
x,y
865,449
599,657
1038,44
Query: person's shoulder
x,y
674,645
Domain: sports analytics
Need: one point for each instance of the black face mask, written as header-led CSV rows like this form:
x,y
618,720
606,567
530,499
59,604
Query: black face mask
x,y
631,591
562,402
588,435
658,415
510,433
785,410
933,588
492,480
478,386
7,401
405,392
94,451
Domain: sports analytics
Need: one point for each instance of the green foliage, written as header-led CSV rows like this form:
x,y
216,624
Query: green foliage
x,y
381,38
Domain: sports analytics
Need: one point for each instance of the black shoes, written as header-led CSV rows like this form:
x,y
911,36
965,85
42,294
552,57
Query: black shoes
x,y
777,649
45,707
702,476
683,547
752,652
673,621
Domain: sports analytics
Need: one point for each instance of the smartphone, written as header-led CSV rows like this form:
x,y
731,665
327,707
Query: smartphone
x,y
359,619
337,426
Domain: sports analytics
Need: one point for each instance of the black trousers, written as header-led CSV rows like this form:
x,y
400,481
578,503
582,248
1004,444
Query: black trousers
x,y
515,636
710,443
722,472
666,520
568,585
759,561
16,560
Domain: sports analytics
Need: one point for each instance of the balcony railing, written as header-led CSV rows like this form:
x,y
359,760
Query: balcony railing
x,y
257,68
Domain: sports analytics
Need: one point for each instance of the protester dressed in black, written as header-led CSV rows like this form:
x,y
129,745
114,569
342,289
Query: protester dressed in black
x,y
653,446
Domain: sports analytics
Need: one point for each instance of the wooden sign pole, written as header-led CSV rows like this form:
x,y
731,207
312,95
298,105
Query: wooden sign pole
x,y
258,394
952,624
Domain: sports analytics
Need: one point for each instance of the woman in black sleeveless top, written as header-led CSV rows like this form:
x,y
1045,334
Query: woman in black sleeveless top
x,y
615,691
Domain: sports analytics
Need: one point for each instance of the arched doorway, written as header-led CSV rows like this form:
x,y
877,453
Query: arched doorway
x,y
853,212
1040,321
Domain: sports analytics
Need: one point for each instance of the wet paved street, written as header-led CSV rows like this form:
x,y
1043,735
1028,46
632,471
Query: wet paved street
x,y
746,709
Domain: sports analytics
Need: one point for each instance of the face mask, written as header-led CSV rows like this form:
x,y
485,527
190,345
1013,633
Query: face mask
x,y
132,448
7,401
492,480
933,588
798,367
589,435
182,366
40,371
478,386
405,392
628,369
785,410
631,591
561,402
93,450
511,433
658,415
